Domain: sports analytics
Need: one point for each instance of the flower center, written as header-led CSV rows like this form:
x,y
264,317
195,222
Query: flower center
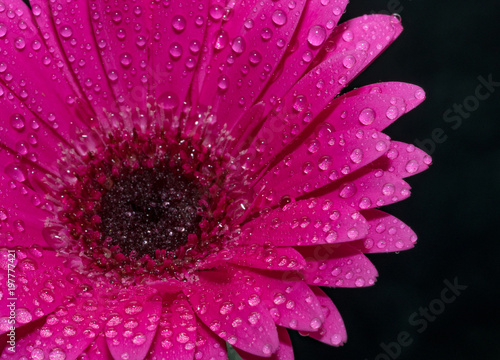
x,y
149,209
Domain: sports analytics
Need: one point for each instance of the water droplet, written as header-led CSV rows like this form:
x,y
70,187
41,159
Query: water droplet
x,y
279,17
223,82
349,61
17,121
348,190
20,43
57,354
348,36
392,113
175,50
255,57
126,59
3,30
367,116
356,156
238,45
315,323
316,35
388,189
300,103
266,34
15,172
216,12
412,166
65,32
220,40
168,101
179,23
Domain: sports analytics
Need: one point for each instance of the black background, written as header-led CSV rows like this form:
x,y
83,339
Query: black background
x,y
445,47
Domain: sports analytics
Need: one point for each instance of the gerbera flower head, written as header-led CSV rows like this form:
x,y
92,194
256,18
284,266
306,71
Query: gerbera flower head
x,y
176,175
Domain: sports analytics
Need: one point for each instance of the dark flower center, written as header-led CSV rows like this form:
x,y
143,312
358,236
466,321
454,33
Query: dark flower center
x,y
150,209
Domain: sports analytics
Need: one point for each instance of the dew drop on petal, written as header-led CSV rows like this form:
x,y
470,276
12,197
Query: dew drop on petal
x,y
20,43
3,30
168,100
238,45
279,17
316,35
392,113
411,166
348,190
178,23
367,116
65,32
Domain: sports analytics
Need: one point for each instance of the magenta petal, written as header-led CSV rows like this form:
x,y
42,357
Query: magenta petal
x,y
224,303
268,258
208,345
322,159
66,333
372,111
253,42
116,30
34,72
403,160
22,210
80,49
369,189
178,32
386,234
311,94
289,300
337,266
42,283
176,334
132,323
97,350
332,332
306,222
413,95
284,352
318,20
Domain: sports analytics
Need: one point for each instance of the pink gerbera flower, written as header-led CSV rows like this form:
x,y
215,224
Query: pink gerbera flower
x,y
176,175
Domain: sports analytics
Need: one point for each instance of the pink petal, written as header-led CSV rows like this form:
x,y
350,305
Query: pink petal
x,y
284,352
318,20
26,134
116,29
403,160
289,300
223,301
332,332
66,333
267,258
322,159
22,210
57,20
233,85
306,222
386,234
372,111
41,285
176,334
337,266
413,95
132,323
316,89
177,36
35,71
97,350
209,345
367,189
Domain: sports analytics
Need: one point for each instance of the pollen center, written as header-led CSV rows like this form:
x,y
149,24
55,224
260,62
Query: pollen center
x,y
149,209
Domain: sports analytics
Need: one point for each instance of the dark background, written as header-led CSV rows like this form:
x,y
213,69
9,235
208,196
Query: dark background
x,y
445,47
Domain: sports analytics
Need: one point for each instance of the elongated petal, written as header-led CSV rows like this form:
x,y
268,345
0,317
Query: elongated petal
x,y
323,158
333,331
337,266
306,222
284,352
40,284
176,334
403,160
386,234
66,333
318,20
209,345
268,258
222,302
289,300
132,323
